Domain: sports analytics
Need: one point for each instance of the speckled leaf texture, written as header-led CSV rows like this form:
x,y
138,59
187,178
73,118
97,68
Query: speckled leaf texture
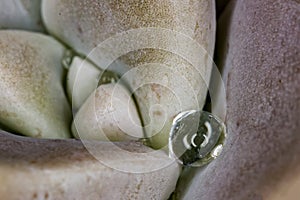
x,y
64,169
258,51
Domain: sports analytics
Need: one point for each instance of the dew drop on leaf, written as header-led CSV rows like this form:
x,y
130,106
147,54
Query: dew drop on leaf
x,y
196,138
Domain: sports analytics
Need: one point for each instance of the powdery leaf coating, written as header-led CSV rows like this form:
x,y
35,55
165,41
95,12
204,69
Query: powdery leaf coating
x,y
86,24
258,46
32,100
110,114
82,80
21,14
63,169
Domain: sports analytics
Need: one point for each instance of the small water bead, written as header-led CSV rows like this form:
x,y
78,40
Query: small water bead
x,y
196,138
108,77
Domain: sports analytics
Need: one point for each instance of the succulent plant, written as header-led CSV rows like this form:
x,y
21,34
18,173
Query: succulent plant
x,y
137,76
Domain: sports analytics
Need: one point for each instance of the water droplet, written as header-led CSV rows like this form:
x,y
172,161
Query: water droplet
x,y
144,141
199,139
108,77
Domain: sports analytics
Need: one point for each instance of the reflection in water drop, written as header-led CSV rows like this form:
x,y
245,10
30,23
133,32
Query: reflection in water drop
x,y
196,138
